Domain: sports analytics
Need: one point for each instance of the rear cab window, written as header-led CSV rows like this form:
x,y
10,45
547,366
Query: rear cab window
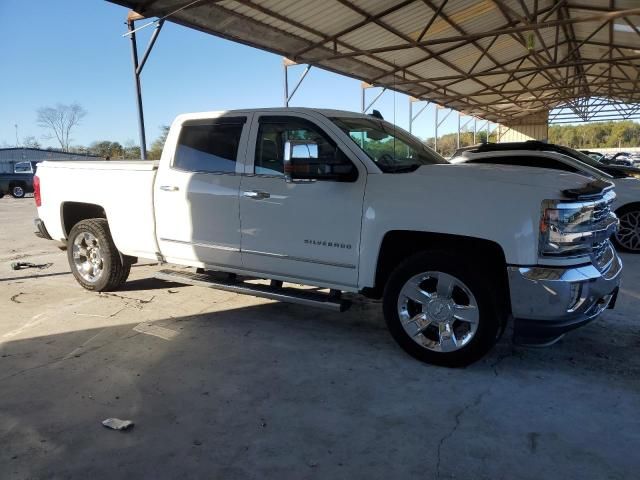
x,y
23,167
209,145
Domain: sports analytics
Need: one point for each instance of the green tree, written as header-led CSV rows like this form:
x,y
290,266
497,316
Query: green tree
x,y
624,133
107,149
156,147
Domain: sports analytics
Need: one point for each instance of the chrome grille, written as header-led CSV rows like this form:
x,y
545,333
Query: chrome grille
x,y
601,211
603,254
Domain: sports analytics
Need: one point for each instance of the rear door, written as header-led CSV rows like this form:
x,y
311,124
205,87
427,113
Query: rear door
x,y
307,230
196,196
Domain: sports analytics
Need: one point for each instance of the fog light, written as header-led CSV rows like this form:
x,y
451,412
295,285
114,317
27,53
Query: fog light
x,y
575,296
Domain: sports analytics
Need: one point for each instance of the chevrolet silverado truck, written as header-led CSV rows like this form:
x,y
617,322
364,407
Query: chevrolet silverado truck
x,y
345,202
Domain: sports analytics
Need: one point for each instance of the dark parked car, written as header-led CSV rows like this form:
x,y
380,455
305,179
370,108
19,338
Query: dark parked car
x,y
20,182
595,155
620,158
616,171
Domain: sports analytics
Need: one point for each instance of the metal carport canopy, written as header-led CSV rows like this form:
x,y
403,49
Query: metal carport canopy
x,y
495,59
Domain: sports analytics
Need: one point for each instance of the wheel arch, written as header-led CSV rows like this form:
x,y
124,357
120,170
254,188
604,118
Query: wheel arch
x,y
628,206
397,245
73,212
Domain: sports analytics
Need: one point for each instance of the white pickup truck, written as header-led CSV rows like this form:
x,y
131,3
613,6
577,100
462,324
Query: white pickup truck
x,y
348,203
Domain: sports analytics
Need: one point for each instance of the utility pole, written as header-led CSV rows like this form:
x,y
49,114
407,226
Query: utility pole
x,y
17,141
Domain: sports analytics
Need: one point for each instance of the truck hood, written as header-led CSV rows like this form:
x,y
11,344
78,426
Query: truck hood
x,y
542,178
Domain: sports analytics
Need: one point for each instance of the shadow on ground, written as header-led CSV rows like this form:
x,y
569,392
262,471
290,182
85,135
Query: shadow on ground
x,y
282,391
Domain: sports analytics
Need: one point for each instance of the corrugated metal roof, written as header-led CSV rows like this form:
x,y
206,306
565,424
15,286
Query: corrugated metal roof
x,y
10,156
20,154
497,59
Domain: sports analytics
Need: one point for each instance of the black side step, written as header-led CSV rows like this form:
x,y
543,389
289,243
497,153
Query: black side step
x,y
283,294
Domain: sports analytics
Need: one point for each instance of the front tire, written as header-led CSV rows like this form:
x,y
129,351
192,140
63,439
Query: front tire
x,y
17,191
94,259
440,309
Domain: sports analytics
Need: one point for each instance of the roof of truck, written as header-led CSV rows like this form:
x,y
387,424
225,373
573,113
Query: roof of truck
x,y
327,112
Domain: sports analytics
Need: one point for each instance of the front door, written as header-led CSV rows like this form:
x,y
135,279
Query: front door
x,y
308,230
196,197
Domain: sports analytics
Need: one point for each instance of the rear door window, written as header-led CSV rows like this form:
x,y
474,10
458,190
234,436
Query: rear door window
x,y
209,146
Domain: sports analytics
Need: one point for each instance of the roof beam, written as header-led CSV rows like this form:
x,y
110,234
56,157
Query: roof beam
x,y
353,27
416,44
620,60
476,36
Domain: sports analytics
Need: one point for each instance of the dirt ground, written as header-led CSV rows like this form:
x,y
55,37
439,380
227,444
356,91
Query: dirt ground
x,y
227,386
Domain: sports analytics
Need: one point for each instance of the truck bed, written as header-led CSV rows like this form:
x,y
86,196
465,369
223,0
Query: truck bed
x,y
123,189
142,165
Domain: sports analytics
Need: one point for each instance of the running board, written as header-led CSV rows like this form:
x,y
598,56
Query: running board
x,y
274,292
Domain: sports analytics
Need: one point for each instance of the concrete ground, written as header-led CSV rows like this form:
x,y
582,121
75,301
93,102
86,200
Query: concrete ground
x,y
227,386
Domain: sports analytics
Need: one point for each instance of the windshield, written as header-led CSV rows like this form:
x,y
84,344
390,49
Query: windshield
x,y
393,150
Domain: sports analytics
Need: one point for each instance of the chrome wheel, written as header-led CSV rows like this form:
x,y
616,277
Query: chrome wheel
x,y
17,192
628,234
438,311
87,257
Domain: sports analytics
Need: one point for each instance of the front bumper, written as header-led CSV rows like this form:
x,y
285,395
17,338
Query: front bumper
x,y
546,302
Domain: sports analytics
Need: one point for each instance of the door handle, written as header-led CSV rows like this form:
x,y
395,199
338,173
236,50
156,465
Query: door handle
x,y
256,194
169,188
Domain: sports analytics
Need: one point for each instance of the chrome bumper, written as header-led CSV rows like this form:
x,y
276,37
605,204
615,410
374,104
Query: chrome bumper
x,y
547,302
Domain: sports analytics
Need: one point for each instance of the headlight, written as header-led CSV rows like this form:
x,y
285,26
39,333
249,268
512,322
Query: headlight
x,y
571,229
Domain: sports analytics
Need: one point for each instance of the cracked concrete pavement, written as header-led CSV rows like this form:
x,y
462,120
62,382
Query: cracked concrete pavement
x,y
227,386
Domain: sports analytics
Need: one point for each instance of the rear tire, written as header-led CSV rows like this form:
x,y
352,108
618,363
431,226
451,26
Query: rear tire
x,y
17,191
455,319
93,258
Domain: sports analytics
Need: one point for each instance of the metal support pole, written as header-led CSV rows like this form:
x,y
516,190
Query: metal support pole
x,y
295,89
410,116
488,128
362,98
435,137
458,135
286,84
375,99
152,42
475,128
136,77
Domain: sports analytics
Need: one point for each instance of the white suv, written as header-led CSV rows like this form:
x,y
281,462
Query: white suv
x,y
627,202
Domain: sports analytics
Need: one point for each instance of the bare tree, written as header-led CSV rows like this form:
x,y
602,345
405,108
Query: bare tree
x,y
61,120
31,142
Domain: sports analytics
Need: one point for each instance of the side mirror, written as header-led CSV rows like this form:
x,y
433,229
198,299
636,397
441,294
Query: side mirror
x,y
302,164
298,158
